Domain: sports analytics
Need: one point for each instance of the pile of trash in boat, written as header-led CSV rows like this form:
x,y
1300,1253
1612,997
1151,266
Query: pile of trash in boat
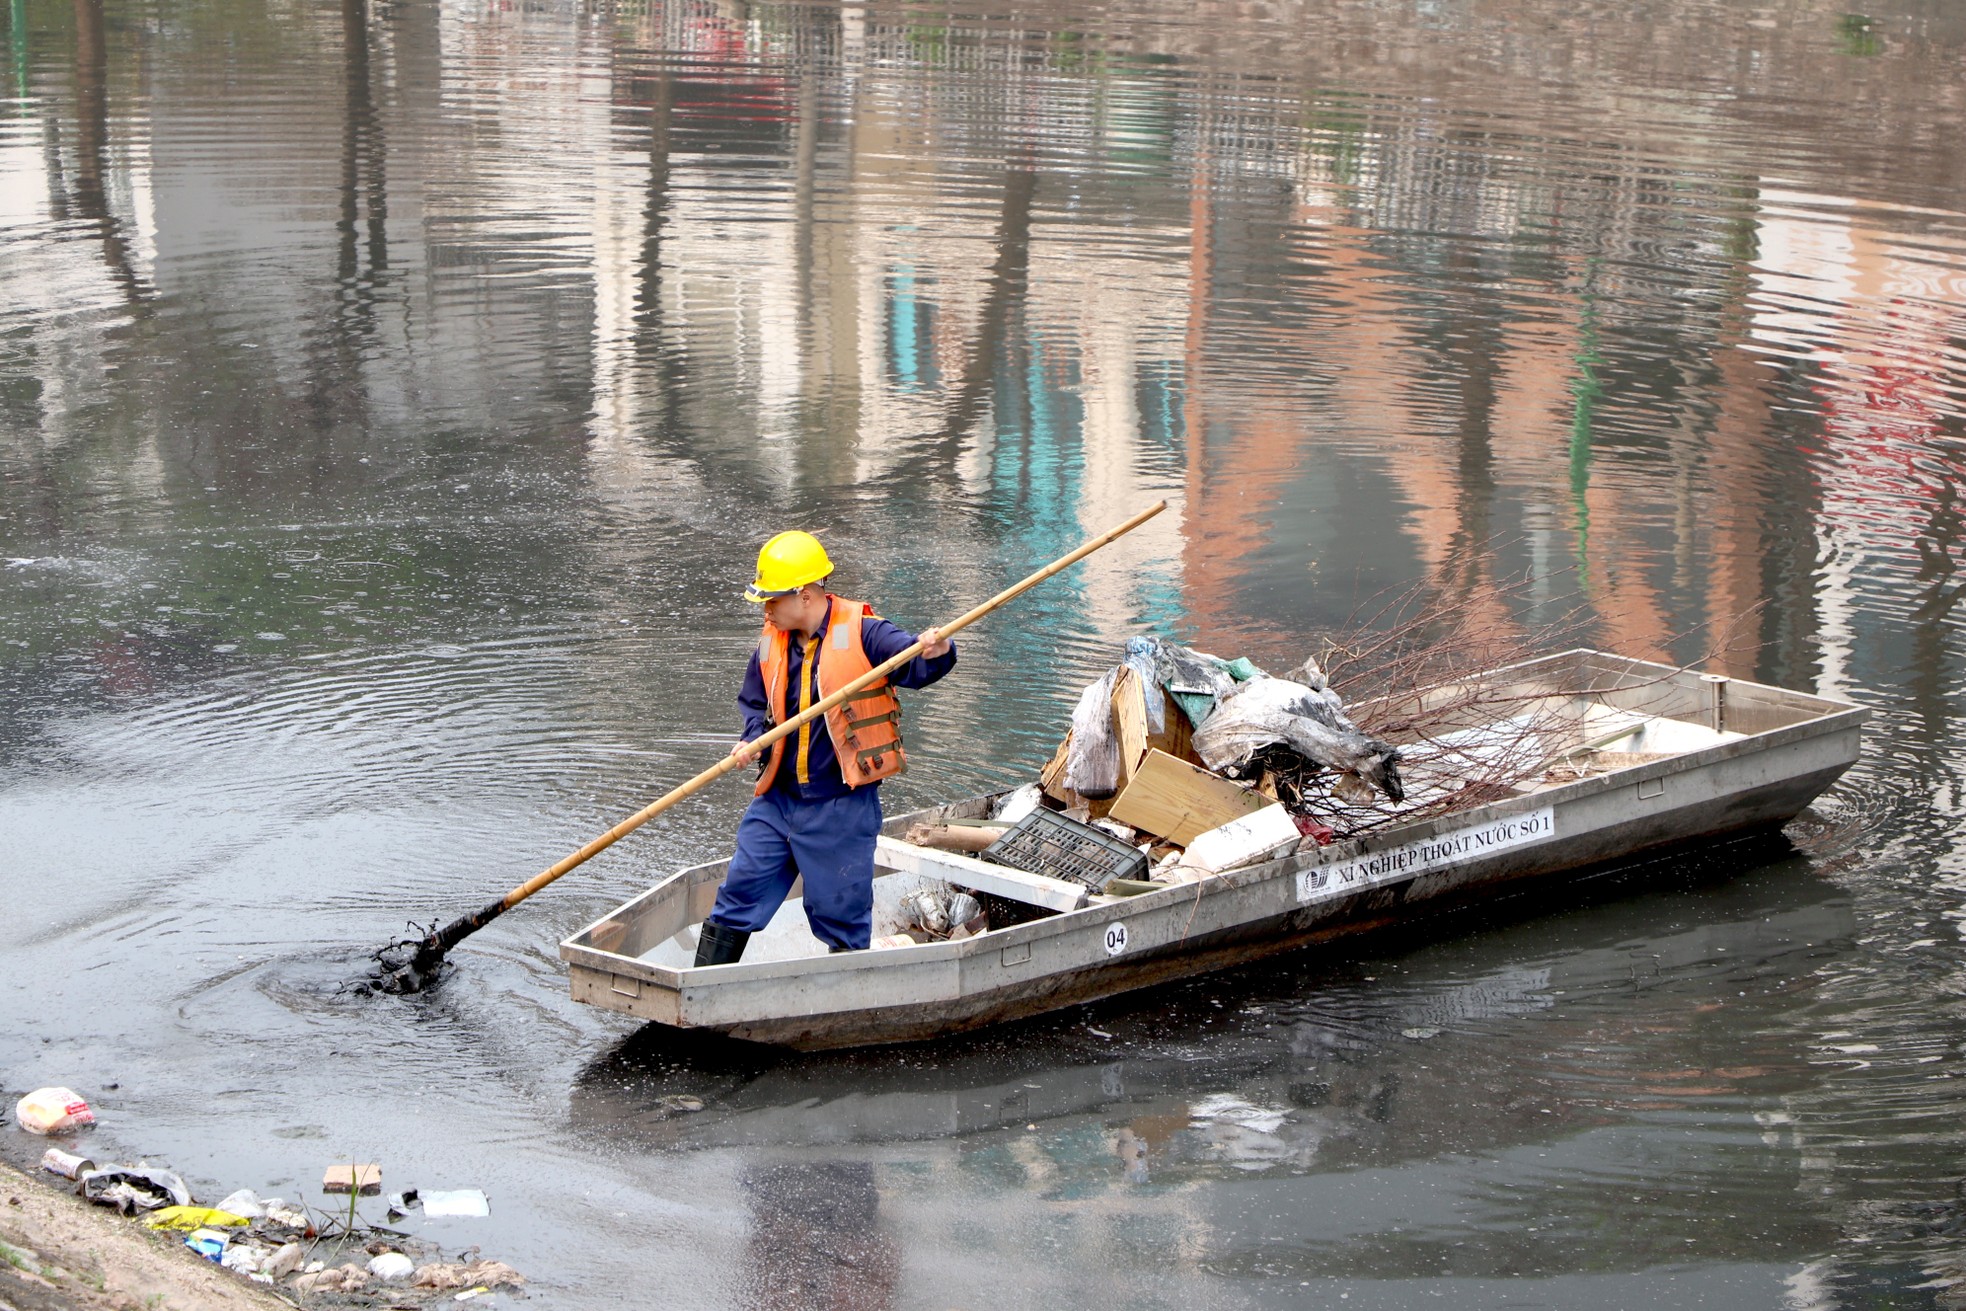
x,y
1178,765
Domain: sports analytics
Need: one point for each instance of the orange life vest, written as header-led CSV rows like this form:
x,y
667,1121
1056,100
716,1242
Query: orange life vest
x,y
866,727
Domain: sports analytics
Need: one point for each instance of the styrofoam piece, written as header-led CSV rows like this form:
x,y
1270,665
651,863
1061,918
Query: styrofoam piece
x,y
458,1201
1260,835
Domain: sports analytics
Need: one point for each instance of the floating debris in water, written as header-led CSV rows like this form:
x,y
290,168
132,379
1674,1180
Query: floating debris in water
x,y
466,1202
1226,1108
363,1178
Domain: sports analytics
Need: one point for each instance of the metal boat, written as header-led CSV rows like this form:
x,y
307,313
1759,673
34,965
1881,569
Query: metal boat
x,y
1715,757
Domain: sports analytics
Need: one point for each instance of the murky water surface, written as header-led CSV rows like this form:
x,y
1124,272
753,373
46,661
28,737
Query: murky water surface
x,y
392,397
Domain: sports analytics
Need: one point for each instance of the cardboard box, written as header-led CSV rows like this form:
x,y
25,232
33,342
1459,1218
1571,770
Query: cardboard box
x,y
1178,801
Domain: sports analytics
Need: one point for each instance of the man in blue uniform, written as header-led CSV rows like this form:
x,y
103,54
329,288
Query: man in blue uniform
x,y
817,808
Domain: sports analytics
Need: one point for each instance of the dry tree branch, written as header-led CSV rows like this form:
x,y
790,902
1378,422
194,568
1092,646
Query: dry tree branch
x,y
1418,667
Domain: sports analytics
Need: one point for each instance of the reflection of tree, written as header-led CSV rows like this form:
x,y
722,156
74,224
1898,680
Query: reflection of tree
x,y
362,174
17,39
1468,336
1759,539
90,198
648,295
992,355
1472,348
364,185
817,1239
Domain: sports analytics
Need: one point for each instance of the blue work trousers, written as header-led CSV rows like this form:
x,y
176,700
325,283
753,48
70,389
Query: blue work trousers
x,y
829,842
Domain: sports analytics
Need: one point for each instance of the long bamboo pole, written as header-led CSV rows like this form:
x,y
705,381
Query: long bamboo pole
x,y
430,952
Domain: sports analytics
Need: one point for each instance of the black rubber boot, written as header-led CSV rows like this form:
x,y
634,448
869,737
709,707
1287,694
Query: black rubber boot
x,y
719,945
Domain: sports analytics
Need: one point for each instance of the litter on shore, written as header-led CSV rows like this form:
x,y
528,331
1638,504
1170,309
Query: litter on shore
x,y
53,1110
288,1245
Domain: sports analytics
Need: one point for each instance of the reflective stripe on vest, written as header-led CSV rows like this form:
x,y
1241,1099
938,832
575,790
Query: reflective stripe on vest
x,y
865,729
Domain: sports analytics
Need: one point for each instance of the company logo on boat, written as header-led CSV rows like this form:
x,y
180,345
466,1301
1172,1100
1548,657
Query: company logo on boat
x,y
1412,858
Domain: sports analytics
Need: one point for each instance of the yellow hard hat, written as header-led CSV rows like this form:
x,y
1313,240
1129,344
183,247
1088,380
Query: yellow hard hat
x,y
788,562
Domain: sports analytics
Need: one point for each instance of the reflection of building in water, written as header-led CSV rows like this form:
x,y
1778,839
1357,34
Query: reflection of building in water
x,y
1884,367
1515,350
786,250
881,322
1464,394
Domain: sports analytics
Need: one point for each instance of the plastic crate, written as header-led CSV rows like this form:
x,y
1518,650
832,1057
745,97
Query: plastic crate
x,y
1046,842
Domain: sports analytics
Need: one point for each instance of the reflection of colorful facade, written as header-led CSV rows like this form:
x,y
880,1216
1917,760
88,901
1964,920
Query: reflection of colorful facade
x,y
1884,368
811,256
858,317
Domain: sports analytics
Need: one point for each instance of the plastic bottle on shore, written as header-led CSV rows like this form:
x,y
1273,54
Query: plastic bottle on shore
x,y
52,1110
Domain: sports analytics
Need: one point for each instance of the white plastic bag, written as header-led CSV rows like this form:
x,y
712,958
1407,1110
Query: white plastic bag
x,y
1092,761
52,1110
391,1266
1276,712
245,1202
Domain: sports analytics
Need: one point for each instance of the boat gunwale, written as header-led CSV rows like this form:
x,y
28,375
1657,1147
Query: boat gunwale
x,y
1833,716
